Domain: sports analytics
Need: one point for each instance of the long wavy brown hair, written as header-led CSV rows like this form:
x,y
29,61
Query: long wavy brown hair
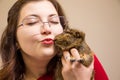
x,y
13,67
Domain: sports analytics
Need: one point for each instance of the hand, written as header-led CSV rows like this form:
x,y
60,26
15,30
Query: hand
x,y
75,70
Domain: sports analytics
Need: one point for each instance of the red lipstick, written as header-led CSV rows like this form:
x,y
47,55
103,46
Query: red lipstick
x,y
47,41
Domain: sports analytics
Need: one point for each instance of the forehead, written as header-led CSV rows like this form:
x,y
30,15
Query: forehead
x,y
41,8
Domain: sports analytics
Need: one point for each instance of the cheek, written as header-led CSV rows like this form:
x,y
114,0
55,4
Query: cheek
x,y
26,33
57,30
25,37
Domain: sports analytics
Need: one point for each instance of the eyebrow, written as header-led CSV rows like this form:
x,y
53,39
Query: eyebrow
x,y
52,15
35,15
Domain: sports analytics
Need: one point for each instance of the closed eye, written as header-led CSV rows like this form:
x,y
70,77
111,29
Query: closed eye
x,y
31,23
54,22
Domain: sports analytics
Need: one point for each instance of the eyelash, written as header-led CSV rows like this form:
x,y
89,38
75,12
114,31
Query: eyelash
x,y
54,22
31,23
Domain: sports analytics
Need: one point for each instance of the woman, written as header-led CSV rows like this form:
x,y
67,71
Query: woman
x,y
27,44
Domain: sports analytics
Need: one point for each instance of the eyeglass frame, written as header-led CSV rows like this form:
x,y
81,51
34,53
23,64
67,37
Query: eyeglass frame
x,y
65,21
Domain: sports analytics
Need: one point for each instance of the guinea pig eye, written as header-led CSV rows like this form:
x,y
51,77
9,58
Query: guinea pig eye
x,y
65,43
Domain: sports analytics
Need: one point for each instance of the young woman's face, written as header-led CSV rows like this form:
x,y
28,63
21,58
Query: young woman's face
x,y
38,26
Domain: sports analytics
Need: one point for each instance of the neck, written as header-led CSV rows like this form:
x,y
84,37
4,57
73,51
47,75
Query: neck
x,y
35,68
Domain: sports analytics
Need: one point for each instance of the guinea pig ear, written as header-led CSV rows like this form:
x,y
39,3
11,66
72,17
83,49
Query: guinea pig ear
x,y
67,30
79,34
75,33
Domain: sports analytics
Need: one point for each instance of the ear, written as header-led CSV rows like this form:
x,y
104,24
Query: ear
x,y
67,30
76,33
80,34
17,46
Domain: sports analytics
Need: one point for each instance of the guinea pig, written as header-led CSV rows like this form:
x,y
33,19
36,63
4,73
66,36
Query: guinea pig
x,y
72,38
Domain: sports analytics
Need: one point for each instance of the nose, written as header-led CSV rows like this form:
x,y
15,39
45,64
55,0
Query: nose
x,y
46,28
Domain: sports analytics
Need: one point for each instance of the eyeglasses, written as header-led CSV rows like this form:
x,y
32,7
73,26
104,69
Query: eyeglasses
x,y
36,21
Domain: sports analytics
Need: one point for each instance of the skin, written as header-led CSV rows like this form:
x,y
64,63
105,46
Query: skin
x,y
33,51
37,55
75,71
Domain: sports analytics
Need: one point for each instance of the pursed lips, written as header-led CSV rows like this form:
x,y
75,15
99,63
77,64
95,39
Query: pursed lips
x,y
47,41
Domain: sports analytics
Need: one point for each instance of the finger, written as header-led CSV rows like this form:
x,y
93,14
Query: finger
x,y
63,61
92,64
75,54
66,56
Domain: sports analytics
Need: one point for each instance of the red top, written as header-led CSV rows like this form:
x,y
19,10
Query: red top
x,y
100,73
45,77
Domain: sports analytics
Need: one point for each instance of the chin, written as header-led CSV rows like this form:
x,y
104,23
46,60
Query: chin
x,y
48,52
